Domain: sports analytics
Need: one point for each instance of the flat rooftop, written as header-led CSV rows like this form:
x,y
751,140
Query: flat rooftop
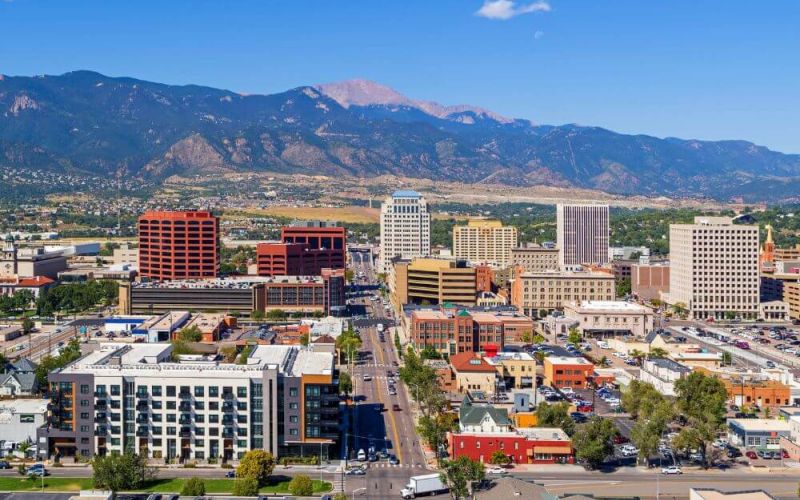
x,y
242,282
760,424
14,406
510,356
609,305
713,494
429,314
543,433
567,360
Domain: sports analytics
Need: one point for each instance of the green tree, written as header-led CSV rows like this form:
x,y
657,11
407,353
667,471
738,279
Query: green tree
x,y
276,315
729,315
640,398
727,358
190,334
245,487
555,415
623,287
121,472
257,315
651,425
433,430
459,474
256,464
574,336
499,458
301,486
429,353
637,355
702,400
27,325
305,339
526,337
423,384
47,364
538,338
340,496
657,353
656,302
194,487
348,344
592,440
349,274
542,313
345,383
679,308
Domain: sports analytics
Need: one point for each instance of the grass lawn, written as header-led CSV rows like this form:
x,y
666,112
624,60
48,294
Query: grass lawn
x,y
174,485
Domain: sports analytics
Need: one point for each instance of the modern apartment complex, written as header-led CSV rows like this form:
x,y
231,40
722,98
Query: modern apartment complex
x,y
405,228
178,245
484,241
534,292
136,397
535,259
582,234
714,268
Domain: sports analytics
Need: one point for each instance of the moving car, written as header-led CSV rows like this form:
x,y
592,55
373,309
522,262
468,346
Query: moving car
x,y
671,470
355,471
496,470
362,455
393,460
395,407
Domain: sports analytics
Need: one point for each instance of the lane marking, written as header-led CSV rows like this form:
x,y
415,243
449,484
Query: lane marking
x,y
399,451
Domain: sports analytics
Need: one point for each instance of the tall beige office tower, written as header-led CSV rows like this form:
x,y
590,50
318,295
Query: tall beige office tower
x,y
582,234
714,268
485,241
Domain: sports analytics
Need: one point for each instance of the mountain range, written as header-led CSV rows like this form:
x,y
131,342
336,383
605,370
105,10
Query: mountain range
x,y
85,121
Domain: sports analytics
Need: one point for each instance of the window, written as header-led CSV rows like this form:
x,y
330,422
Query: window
x,y
241,443
157,431
199,419
171,405
212,419
293,392
294,406
171,431
85,428
171,417
115,390
293,432
156,405
170,391
156,390
84,440
84,402
199,443
213,431
199,405
242,419
199,391
213,391
294,419
84,389
200,455
213,405
84,416
241,392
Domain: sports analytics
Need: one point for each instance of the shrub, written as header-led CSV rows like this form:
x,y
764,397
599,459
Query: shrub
x,y
190,465
301,486
194,487
245,487
256,464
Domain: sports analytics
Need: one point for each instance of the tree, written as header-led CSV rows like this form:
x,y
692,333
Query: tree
x,y
121,472
654,416
68,354
340,496
348,343
679,308
538,338
592,441
430,353
345,383
190,334
245,487
729,315
276,315
702,401
656,302
256,464
257,315
542,313
574,336
727,358
499,458
433,430
305,339
555,415
460,473
623,287
194,487
27,325
349,274
301,486
526,337
657,353
637,355
23,448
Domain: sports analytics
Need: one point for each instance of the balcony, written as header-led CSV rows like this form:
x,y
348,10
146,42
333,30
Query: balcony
x,y
142,419
228,433
101,418
185,420
100,395
101,405
228,420
100,431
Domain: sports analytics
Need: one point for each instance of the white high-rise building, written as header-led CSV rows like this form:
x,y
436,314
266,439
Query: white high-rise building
x,y
714,268
405,228
582,234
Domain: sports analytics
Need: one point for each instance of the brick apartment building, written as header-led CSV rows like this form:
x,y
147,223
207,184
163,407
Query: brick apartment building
x,y
177,245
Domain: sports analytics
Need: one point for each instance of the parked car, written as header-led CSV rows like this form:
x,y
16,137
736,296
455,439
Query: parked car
x,y
497,470
230,474
355,471
751,454
4,464
393,460
671,470
395,407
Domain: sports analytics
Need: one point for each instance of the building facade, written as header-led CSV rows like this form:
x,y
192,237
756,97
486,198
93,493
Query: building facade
x,y
582,234
303,251
573,372
434,281
650,281
714,269
608,318
484,242
136,397
178,245
535,259
662,374
536,445
548,291
405,228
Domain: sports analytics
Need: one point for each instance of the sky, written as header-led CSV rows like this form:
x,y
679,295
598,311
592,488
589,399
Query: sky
x,y
693,69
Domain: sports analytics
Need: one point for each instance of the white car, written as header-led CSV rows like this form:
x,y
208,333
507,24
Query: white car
x,y
603,345
497,470
567,390
671,470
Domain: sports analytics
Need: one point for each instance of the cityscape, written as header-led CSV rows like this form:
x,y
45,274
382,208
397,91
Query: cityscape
x,y
338,291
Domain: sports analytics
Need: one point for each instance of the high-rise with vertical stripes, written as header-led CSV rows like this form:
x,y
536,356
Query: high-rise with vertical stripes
x,y
582,234
405,228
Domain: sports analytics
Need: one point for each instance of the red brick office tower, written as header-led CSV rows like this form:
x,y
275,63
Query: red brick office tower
x,y
178,245
303,250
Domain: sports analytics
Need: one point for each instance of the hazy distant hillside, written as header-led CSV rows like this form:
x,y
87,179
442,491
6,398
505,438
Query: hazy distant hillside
x,y
86,121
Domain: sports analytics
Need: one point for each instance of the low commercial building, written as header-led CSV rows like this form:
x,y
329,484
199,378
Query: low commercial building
x,y
603,319
757,433
698,359
743,391
663,373
210,326
535,445
30,262
548,291
714,494
325,293
473,374
517,369
36,285
572,372
160,328
482,418
283,399
773,310
20,419
10,332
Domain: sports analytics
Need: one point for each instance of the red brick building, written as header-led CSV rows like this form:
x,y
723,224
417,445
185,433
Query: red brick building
x,y
178,245
303,251
537,445
484,276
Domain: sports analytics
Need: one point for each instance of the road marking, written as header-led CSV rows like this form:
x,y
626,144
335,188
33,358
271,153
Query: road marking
x,y
399,451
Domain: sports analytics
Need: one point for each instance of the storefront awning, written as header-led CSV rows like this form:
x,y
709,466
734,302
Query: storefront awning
x,y
555,450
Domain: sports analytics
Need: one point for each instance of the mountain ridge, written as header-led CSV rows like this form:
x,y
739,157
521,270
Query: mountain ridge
x,y
86,121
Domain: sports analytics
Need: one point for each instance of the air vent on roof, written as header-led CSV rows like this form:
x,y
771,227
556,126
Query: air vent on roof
x,y
474,361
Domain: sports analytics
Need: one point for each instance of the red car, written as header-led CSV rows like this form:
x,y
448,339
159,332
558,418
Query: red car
x,y
620,439
785,454
751,455
395,407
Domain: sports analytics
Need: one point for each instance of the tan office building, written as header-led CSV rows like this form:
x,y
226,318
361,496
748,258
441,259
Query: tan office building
x,y
532,292
791,295
433,281
582,234
650,281
714,268
484,241
535,259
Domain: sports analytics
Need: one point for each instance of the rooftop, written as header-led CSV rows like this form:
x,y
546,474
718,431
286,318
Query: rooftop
x,y
510,356
670,365
242,282
470,362
608,305
406,193
14,406
760,424
714,494
567,360
543,433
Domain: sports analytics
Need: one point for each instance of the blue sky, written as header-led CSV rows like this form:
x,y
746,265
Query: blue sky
x,y
694,69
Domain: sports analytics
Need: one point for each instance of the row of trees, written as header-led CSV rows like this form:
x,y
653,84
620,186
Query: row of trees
x,y
20,301
76,297
700,403
48,363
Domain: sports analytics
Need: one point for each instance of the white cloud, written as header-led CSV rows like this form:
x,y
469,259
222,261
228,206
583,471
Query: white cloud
x,y
506,9
538,34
